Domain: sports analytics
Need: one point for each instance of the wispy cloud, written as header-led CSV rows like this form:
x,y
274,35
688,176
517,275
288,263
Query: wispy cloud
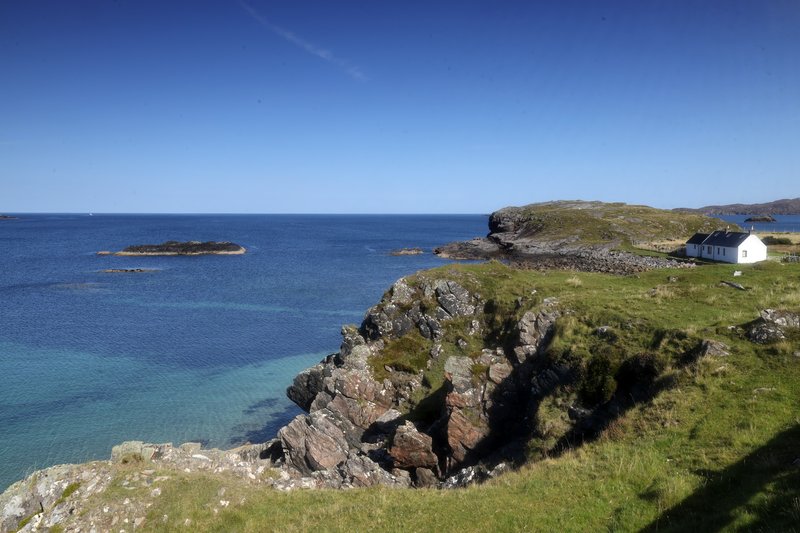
x,y
352,70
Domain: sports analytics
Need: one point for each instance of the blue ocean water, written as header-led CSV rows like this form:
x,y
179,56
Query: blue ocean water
x,y
782,223
203,348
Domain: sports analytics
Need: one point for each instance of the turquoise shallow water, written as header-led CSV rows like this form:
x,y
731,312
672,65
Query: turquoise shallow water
x,y
203,348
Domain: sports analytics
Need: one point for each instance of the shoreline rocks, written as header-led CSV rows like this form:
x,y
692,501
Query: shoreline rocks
x,y
556,256
407,251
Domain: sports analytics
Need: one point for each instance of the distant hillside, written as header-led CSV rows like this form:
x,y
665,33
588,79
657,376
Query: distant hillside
x,y
778,207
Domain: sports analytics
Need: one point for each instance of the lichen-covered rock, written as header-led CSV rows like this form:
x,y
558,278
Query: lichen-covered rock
x,y
712,348
361,471
771,326
782,318
454,299
765,333
458,371
534,330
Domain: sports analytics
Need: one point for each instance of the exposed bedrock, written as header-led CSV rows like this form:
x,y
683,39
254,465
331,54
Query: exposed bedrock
x,y
373,422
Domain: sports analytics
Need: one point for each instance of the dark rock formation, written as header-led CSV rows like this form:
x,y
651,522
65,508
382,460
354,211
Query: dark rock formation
x,y
760,218
7,217
183,248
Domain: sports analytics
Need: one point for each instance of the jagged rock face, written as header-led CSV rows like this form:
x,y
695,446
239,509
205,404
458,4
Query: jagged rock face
x,y
355,433
534,329
306,385
412,449
313,443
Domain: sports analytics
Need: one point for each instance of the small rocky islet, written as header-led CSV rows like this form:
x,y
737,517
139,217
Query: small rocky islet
x,y
760,218
181,248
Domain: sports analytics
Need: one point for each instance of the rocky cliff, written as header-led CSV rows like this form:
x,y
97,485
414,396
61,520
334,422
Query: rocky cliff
x,y
415,393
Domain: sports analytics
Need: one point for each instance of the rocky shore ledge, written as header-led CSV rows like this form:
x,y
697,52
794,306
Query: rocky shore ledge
x,y
582,236
407,251
181,248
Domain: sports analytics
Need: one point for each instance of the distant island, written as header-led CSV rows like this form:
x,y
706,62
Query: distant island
x,y
786,206
760,218
181,248
7,217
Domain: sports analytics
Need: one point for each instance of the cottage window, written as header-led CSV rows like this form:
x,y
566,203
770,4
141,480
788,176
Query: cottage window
x,y
744,253
723,251
709,249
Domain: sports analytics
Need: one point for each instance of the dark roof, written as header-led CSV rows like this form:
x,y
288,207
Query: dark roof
x,y
728,239
697,238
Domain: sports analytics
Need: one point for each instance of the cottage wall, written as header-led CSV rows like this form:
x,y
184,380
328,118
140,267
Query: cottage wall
x,y
752,250
693,250
720,253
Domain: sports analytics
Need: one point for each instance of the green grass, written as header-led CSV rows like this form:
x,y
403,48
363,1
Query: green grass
x,y
714,451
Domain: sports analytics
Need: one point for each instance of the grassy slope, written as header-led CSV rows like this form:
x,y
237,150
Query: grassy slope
x,y
715,451
598,222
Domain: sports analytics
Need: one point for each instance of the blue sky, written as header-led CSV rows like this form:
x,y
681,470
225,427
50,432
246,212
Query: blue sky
x,y
395,107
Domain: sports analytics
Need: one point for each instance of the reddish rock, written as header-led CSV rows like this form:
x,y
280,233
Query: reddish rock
x,y
463,435
410,448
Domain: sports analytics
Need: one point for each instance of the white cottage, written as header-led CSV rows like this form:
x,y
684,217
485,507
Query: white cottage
x,y
727,246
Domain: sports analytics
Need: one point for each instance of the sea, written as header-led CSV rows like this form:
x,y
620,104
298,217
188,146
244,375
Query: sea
x,y
782,224
199,349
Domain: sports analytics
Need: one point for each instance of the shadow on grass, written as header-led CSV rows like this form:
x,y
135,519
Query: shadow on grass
x,y
764,486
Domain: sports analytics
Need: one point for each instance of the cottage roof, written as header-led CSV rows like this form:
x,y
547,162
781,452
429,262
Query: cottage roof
x,y
697,238
728,239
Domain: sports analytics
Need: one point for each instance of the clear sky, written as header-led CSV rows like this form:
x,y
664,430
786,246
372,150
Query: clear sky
x,y
395,106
